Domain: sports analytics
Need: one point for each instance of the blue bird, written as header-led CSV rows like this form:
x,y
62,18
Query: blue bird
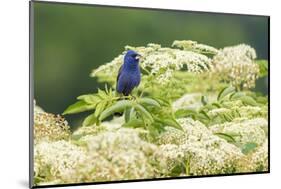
x,y
129,75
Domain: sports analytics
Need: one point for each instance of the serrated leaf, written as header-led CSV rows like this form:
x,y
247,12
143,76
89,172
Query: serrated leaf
x,y
248,147
78,107
149,101
224,92
90,120
117,107
226,137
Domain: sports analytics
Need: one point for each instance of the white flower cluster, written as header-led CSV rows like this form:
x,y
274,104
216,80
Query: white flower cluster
x,y
124,155
49,127
259,159
218,111
109,155
160,62
237,64
57,161
198,149
202,152
245,131
252,111
194,46
90,130
106,153
255,161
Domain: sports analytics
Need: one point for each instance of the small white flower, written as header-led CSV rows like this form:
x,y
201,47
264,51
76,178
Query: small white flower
x,y
237,65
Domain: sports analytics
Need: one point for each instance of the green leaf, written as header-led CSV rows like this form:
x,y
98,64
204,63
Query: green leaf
x,y
163,101
172,123
89,98
148,101
100,107
226,137
262,99
248,100
180,113
90,120
216,104
263,66
144,112
226,91
117,107
169,122
127,114
248,147
227,117
205,114
133,113
204,100
102,94
134,123
177,170
78,107
237,95
208,107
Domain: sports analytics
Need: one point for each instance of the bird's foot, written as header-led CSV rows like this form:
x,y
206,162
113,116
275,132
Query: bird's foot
x,y
133,97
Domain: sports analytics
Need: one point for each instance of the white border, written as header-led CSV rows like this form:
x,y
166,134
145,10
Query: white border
x,y
14,71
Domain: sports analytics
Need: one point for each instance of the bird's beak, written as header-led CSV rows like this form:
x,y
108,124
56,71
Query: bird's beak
x,y
138,56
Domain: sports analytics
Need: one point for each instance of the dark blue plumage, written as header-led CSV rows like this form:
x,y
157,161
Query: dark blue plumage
x,y
129,74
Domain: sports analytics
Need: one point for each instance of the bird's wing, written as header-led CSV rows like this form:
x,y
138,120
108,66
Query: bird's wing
x,y
119,72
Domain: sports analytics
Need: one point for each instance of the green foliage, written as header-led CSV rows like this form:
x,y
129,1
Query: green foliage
x,y
148,113
226,107
263,66
78,107
227,137
226,91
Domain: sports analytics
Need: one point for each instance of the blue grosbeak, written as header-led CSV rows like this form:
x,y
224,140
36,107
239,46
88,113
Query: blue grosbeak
x,y
129,75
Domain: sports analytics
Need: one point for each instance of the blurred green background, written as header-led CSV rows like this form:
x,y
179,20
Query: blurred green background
x,y
71,40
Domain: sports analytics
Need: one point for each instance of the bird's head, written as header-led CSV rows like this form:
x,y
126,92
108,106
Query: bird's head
x,y
132,57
